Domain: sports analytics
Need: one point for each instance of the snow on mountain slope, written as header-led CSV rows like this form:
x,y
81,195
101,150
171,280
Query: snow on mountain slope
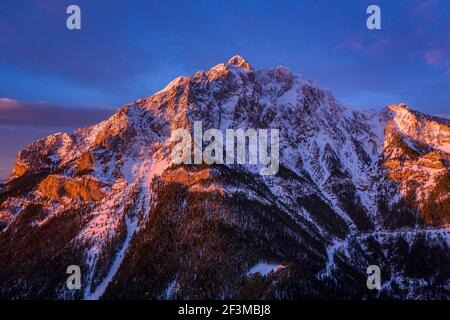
x,y
354,188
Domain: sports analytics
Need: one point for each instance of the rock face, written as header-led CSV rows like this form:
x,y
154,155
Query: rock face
x,y
354,188
86,188
417,154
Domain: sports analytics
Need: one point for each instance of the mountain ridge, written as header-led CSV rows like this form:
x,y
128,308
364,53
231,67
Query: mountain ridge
x,y
354,188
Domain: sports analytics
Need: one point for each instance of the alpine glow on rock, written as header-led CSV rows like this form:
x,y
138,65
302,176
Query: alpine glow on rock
x,y
353,189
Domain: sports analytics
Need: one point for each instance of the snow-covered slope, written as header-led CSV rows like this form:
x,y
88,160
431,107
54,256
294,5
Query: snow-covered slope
x,y
354,188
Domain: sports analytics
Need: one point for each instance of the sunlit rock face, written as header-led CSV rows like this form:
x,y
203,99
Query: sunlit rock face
x,y
354,188
417,157
85,188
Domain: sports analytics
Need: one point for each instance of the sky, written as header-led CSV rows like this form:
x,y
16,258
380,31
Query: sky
x,y
55,79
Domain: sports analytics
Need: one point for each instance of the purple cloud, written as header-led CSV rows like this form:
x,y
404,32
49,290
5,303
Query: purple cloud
x,y
361,43
97,55
22,122
438,55
434,57
423,8
414,37
15,113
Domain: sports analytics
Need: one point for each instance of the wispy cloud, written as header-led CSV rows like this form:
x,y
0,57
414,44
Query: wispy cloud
x,y
23,122
434,57
438,55
411,39
423,8
14,113
367,45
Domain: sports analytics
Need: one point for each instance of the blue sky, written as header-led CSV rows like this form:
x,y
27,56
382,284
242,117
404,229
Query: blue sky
x,y
131,49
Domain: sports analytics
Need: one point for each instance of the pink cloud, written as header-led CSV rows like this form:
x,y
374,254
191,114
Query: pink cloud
x,y
434,57
8,104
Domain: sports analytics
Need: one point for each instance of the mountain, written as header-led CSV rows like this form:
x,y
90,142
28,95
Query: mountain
x,y
353,189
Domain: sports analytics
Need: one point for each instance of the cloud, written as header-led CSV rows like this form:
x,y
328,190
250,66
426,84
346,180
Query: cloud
x,y
15,139
411,39
423,8
362,43
35,38
438,55
14,113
